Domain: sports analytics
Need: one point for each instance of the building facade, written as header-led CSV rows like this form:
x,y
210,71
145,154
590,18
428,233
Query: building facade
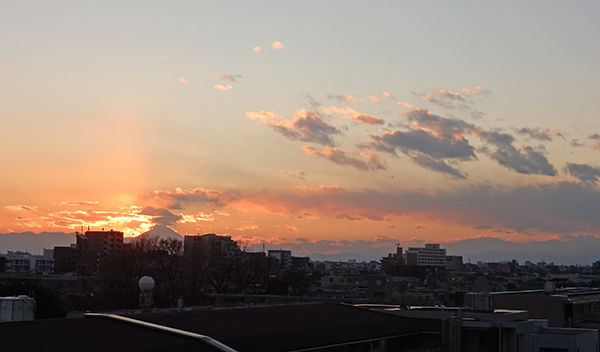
x,y
25,262
430,255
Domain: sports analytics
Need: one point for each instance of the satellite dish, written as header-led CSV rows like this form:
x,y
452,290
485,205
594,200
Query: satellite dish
x,y
146,283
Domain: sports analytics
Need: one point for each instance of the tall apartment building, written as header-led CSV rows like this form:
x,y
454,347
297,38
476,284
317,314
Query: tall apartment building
x,y
430,255
213,247
283,256
454,263
90,251
105,243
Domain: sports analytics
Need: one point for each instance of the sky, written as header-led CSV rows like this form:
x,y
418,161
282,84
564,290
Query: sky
x,y
330,126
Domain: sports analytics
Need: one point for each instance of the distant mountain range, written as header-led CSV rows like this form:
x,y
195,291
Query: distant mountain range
x,y
582,249
161,232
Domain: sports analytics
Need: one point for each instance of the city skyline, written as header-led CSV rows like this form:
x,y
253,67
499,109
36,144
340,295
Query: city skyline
x,y
324,126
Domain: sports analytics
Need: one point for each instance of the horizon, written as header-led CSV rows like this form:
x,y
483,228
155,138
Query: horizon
x,y
325,127
574,250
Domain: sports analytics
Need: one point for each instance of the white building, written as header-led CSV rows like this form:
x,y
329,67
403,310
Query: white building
x,y
25,262
430,255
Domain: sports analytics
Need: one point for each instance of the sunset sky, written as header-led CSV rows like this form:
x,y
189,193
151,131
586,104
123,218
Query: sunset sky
x,y
335,125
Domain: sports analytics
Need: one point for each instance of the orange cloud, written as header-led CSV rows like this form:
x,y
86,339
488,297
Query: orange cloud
x,y
162,57
406,105
257,48
80,203
21,208
183,80
388,95
246,227
222,88
278,45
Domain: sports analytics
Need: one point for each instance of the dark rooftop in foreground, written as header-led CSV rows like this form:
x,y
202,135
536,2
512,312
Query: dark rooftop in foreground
x,y
265,329
292,327
92,335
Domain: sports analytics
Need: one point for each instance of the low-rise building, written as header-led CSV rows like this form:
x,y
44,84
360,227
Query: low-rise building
x,y
26,263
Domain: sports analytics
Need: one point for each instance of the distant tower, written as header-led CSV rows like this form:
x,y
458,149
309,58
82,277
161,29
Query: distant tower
x,y
146,285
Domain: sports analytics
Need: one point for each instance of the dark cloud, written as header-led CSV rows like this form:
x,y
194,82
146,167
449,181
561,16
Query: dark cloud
x,y
312,128
423,142
441,126
583,172
428,162
477,115
575,143
307,126
497,138
595,137
561,207
300,174
173,199
524,161
430,141
161,216
539,134
343,98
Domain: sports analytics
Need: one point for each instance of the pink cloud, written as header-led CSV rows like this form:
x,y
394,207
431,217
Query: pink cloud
x,y
257,48
374,99
443,98
406,105
388,95
475,90
162,57
278,45
355,116
228,77
307,126
222,88
183,80
341,157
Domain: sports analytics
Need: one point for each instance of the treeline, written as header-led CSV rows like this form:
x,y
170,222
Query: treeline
x,y
188,276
